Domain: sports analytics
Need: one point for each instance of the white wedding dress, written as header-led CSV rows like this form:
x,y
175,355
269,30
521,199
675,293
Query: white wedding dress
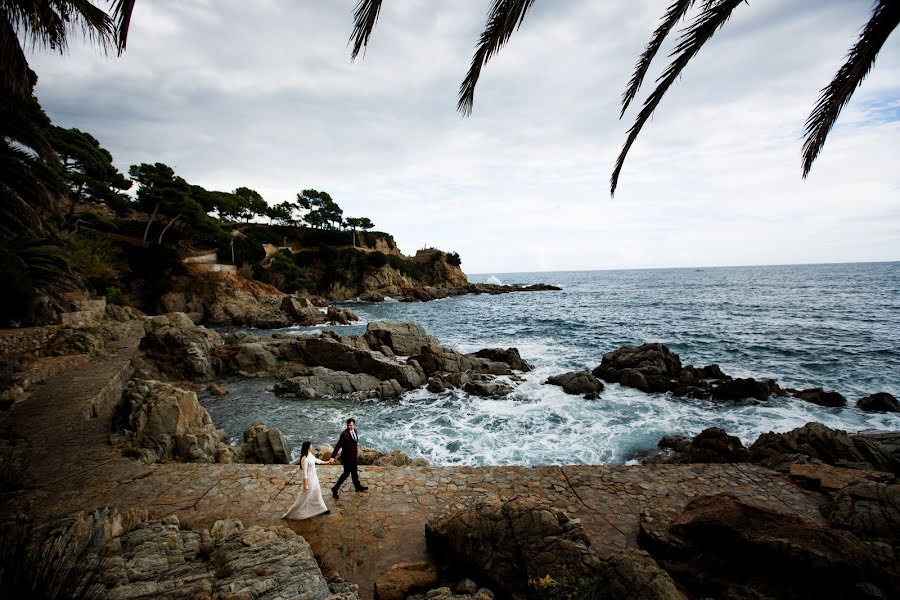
x,y
309,503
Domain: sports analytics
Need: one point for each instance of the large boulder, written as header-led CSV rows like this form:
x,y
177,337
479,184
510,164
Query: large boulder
x,y
831,446
724,542
248,359
166,423
265,445
166,559
516,543
437,359
404,339
745,389
880,402
320,382
712,445
340,316
179,348
651,367
868,509
510,356
337,355
301,311
577,382
821,397
510,543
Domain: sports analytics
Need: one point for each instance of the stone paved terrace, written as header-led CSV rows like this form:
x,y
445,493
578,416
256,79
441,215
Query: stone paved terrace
x,y
73,468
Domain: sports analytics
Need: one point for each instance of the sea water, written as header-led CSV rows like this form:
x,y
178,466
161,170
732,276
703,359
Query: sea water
x,y
834,326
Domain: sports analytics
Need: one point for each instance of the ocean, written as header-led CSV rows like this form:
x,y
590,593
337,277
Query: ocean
x,y
835,326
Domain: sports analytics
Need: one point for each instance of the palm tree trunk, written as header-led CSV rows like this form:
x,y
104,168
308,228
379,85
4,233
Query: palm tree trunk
x,y
152,217
166,228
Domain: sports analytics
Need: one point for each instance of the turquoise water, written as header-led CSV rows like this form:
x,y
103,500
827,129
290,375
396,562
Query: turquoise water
x,y
835,326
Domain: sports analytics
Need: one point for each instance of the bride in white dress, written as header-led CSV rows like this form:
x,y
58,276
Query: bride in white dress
x,y
309,502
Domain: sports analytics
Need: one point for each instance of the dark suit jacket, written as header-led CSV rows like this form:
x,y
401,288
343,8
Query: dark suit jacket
x,y
349,445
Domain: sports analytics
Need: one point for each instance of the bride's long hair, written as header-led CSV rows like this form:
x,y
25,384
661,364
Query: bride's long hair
x,y
304,449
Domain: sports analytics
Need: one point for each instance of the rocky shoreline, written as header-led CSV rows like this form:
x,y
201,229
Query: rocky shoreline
x,y
700,519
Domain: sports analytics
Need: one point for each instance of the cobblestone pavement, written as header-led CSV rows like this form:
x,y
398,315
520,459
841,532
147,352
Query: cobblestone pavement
x,y
72,467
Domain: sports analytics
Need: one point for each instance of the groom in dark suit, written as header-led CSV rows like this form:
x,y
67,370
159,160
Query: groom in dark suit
x,y
348,442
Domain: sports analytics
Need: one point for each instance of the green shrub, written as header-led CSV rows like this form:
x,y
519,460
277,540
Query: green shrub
x,y
246,250
115,296
454,259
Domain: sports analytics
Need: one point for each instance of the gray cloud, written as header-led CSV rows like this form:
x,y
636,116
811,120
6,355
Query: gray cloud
x,y
267,97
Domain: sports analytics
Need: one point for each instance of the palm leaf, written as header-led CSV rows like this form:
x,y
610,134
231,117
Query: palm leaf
x,y
885,18
673,15
364,19
713,16
15,75
504,18
122,10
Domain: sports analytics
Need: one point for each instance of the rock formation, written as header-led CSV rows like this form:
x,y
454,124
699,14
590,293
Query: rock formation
x,y
389,359
577,382
146,560
880,402
166,423
265,445
180,348
518,544
728,546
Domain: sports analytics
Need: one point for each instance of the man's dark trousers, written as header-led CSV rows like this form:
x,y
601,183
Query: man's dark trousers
x,y
349,471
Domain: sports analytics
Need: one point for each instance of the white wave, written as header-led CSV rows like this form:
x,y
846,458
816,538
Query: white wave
x,y
494,280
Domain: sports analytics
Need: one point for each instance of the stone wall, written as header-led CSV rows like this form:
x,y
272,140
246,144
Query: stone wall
x,y
28,341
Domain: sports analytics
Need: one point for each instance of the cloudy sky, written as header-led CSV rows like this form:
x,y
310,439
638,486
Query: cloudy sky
x,y
264,95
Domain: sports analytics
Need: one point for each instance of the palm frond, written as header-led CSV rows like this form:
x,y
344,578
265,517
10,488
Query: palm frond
x,y
122,10
50,23
15,75
364,19
504,18
713,16
885,18
676,11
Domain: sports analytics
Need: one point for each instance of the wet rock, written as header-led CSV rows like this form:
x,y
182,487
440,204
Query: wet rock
x,y
724,542
577,382
216,390
436,359
340,356
651,367
302,312
880,402
830,446
265,445
712,445
325,383
404,579
510,356
166,423
394,458
340,316
404,339
821,397
743,389
180,348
